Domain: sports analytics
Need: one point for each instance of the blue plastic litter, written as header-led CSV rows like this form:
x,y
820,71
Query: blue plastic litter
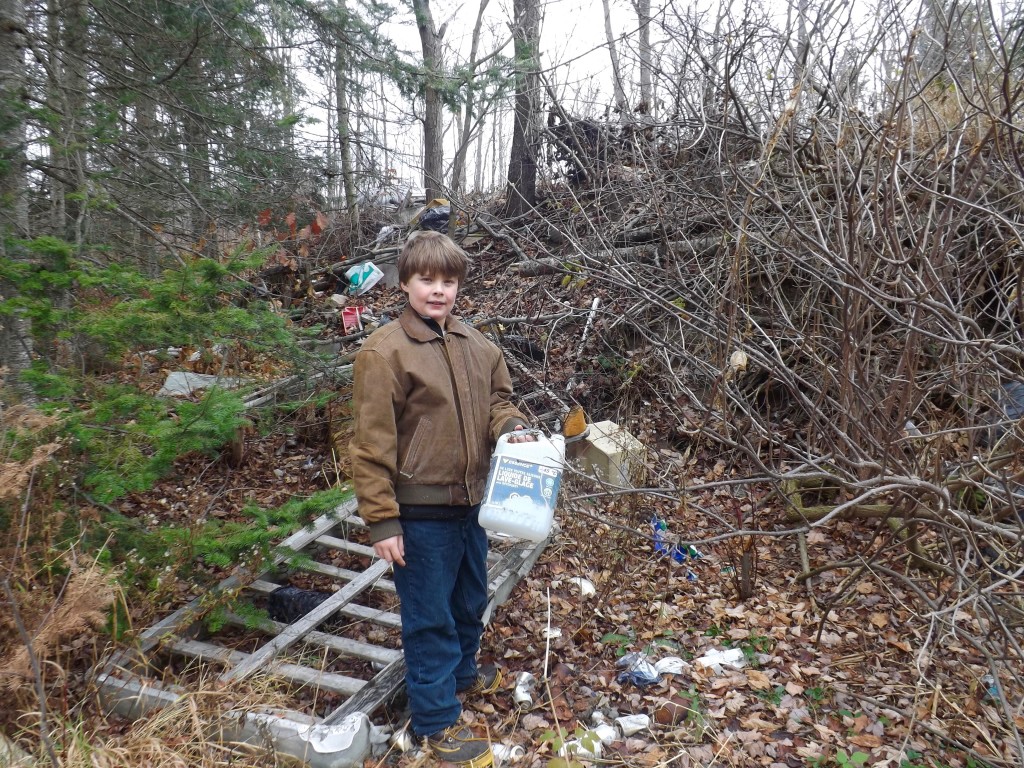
x,y
678,552
636,669
991,686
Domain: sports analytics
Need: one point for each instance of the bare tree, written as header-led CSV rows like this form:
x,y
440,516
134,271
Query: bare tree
x,y
433,126
341,85
643,19
469,105
521,192
613,52
829,288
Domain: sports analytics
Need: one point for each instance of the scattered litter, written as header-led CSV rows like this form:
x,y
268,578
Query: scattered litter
x,y
434,215
588,747
402,740
586,586
387,232
338,299
362,277
910,429
186,382
678,552
637,669
507,753
351,735
523,693
990,686
737,362
631,724
671,665
351,319
551,633
606,732
717,659
289,604
380,737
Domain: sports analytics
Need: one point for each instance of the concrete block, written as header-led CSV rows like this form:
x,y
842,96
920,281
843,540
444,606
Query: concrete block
x,y
611,453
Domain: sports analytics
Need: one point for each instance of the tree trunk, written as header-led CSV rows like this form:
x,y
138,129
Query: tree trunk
x,y
643,20
465,135
197,162
478,170
147,124
433,152
620,95
74,87
497,152
345,139
521,193
15,329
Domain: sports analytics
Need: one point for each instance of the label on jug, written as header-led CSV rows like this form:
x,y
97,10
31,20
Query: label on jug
x,y
522,485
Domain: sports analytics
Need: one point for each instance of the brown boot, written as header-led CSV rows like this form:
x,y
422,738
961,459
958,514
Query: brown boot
x,y
488,680
457,744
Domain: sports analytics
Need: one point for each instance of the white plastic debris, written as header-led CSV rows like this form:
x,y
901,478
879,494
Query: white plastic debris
x,y
379,734
606,732
551,633
671,665
523,693
717,659
587,588
588,748
362,277
350,735
402,740
631,724
186,382
507,753
338,300
738,361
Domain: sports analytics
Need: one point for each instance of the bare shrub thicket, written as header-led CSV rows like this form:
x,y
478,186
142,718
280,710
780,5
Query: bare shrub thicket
x,y
815,249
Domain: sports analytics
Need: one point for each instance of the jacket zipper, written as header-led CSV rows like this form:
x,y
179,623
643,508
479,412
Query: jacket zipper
x,y
458,412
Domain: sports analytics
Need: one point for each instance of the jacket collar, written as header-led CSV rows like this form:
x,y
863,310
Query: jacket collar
x,y
415,328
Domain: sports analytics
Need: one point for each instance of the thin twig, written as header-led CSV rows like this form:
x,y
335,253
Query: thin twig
x,y
37,673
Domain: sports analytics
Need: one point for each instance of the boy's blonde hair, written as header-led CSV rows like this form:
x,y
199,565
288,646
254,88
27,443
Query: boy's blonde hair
x,y
432,253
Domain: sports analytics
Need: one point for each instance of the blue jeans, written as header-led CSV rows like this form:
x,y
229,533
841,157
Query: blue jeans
x,y
443,593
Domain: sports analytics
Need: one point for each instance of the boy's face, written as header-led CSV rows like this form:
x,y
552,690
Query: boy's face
x,y
432,296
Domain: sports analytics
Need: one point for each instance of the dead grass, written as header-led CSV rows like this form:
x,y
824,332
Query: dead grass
x,y
80,608
186,734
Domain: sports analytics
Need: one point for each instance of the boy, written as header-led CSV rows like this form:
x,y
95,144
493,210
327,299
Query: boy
x,y
431,398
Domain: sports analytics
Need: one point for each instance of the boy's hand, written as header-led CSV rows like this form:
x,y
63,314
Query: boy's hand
x,y
529,437
392,550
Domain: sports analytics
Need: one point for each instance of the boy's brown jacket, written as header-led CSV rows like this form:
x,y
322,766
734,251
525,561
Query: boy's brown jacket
x,y
428,411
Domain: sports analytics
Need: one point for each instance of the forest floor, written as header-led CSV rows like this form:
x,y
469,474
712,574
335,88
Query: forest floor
x,y
833,671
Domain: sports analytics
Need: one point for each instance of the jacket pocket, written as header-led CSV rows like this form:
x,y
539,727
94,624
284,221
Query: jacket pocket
x,y
412,454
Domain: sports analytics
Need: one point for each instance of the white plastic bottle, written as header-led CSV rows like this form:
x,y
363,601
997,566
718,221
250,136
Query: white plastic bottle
x,y
522,487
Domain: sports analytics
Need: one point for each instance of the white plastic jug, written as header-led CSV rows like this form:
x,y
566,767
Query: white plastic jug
x,y
522,486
